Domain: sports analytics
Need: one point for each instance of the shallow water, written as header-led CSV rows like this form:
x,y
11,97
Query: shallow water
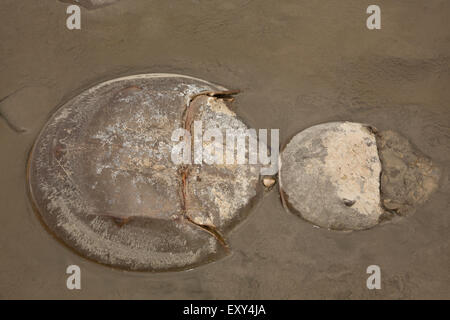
x,y
297,63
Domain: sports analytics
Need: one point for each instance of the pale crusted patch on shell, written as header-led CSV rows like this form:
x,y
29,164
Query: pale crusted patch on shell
x,y
353,166
217,105
224,190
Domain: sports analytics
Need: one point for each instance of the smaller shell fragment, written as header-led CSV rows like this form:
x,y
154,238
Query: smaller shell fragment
x,y
330,176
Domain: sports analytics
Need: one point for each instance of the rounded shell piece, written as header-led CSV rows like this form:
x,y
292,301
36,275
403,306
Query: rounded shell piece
x,y
330,176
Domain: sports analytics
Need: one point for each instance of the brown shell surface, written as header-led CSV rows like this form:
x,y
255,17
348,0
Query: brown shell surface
x,y
101,176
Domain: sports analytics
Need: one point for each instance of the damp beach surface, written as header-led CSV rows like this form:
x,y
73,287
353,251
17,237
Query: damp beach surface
x,y
297,65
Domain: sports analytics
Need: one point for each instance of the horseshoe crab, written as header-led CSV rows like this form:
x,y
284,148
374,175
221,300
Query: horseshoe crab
x,y
349,176
101,177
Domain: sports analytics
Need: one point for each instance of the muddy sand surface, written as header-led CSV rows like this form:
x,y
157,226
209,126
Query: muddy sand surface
x,y
297,63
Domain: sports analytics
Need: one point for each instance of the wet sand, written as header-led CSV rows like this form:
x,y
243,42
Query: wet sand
x,y
297,63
